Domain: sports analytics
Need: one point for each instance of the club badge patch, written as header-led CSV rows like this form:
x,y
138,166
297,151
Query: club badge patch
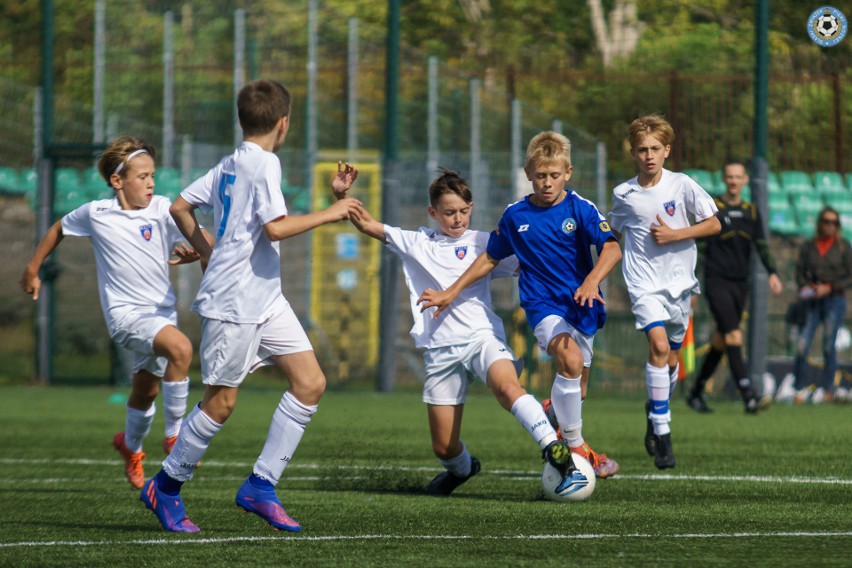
x,y
461,252
569,225
669,206
146,231
604,227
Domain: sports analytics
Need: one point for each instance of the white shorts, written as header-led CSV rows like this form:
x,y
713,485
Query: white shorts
x,y
135,329
230,351
551,326
447,368
652,308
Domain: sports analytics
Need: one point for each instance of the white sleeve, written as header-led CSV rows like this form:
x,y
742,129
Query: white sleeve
x,y
200,192
269,200
617,217
698,202
78,223
399,241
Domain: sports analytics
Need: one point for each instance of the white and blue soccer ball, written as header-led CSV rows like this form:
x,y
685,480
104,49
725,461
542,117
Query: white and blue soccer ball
x,y
578,486
827,26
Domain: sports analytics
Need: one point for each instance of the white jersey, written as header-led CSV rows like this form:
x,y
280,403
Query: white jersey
x,y
433,260
132,249
243,278
649,267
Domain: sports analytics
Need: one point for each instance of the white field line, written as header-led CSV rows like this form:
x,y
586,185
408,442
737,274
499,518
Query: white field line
x,y
508,474
390,537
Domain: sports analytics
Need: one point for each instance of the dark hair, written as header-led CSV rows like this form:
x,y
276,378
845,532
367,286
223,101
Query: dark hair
x,y
734,162
827,209
260,105
117,152
449,183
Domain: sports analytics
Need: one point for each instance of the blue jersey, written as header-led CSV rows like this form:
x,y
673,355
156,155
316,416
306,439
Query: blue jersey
x,y
553,246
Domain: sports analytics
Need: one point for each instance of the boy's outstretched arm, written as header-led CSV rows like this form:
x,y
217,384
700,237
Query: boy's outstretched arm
x,y
30,282
292,225
184,215
665,235
441,299
589,290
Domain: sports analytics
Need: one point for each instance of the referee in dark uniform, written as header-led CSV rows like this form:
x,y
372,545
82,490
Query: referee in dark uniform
x,y
727,264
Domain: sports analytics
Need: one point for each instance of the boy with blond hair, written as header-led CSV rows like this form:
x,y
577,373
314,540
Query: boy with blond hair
x,y
651,212
551,231
245,320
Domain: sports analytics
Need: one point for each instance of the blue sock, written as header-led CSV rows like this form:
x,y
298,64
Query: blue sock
x,y
260,483
166,484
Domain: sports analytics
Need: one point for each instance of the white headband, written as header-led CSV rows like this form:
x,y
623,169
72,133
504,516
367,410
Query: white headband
x,y
128,158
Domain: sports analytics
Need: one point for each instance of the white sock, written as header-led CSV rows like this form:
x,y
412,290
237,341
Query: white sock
x,y
659,386
568,404
459,465
285,432
528,411
136,426
174,404
195,435
673,373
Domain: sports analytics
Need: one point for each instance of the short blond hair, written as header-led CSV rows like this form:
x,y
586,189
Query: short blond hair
x,y
548,147
651,124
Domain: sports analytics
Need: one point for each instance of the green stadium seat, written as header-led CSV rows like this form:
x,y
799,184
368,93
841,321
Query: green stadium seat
x,y
844,209
838,199
772,183
849,181
807,211
796,183
94,185
782,218
745,193
167,181
704,179
829,182
720,183
29,180
67,201
195,173
10,181
778,200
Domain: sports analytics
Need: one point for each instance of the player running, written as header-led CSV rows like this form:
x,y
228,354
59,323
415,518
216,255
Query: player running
x,y
651,211
133,237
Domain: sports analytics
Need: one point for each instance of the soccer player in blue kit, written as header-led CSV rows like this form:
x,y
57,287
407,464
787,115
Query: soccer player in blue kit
x,y
551,231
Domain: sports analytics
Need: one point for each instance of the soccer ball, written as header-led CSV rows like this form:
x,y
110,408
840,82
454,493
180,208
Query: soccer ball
x,y
827,26
578,486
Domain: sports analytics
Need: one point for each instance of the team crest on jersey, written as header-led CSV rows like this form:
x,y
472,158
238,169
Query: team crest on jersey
x,y
604,227
669,206
146,231
461,252
569,225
